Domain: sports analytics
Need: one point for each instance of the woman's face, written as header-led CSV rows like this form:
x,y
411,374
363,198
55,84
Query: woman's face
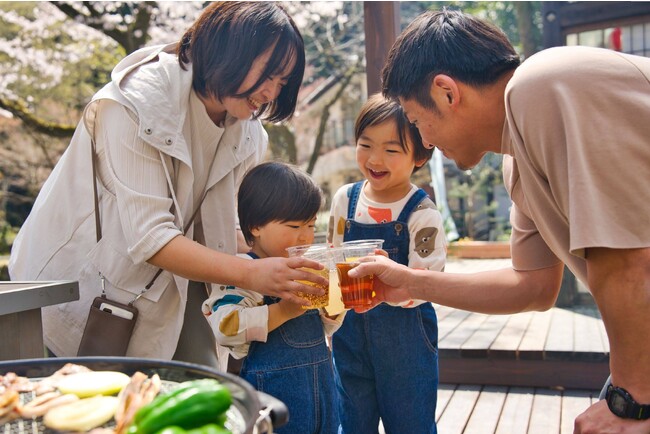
x,y
244,108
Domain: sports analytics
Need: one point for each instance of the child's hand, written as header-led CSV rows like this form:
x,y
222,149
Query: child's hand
x,y
283,311
290,309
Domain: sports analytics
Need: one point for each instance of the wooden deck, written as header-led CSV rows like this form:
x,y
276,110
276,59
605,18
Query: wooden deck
x,y
556,348
527,373
473,409
562,347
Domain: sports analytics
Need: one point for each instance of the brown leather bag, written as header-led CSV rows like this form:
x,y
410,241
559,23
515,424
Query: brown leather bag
x,y
108,329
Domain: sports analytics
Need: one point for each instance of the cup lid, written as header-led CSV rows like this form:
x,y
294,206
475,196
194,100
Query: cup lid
x,y
374,242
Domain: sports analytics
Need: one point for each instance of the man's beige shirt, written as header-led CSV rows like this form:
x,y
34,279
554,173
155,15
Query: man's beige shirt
x,y
578,137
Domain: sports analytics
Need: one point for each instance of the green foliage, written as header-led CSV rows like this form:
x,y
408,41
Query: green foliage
x,y
473,204
58,86
25,9
7,235
500,13
282,142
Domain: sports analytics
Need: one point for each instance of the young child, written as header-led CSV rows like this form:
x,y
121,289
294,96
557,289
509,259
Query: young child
x,y
284,345
386,359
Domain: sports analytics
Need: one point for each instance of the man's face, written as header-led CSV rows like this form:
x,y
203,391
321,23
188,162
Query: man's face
x,y
447,130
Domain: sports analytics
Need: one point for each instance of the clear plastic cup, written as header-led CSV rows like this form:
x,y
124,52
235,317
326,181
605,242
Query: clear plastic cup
x,y
317,252
377,243
355,292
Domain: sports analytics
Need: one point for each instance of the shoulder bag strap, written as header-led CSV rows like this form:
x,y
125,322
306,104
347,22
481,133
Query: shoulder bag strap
x,y
98,226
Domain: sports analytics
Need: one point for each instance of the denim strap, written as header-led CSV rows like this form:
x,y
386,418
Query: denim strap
x,y
412,203
353,194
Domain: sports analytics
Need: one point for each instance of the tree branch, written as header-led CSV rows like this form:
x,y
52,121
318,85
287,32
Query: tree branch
x,y
325,114
20,110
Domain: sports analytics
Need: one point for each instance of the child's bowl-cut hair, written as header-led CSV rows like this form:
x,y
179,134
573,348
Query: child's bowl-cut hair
x,y
276,192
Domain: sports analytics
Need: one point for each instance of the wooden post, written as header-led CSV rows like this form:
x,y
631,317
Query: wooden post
x,y
552,35
381,24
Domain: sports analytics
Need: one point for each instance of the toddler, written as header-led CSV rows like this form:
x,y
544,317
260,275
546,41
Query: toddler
x,y
386,360
283,346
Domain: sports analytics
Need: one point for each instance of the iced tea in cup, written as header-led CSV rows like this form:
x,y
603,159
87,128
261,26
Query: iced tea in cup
x,y
355,292
318,253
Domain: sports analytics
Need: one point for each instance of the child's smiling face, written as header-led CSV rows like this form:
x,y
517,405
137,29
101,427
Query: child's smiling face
x,y
384,163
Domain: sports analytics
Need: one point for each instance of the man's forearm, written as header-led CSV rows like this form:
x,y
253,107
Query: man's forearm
x,y
501,291
620,283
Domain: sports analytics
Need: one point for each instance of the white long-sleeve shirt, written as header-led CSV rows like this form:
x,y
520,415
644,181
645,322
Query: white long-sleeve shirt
x,y
427,241
239,316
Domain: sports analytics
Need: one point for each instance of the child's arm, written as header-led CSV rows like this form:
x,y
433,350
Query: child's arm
x,y
428,242
237,317
283,311
338,214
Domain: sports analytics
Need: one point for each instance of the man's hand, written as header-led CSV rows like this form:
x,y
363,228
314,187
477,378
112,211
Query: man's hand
x,y
278,277
388,282
598,419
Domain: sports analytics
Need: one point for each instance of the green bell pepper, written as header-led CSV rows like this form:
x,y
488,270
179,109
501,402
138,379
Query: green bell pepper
x,y
192,405
210,428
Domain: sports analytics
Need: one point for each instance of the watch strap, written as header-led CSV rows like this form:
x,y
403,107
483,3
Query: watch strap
x,y
631,409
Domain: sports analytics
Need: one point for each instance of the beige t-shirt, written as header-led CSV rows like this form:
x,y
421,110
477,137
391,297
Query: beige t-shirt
x,y
578,127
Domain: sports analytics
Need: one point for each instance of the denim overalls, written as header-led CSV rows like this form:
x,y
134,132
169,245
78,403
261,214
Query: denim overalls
x,y
294,365
386,359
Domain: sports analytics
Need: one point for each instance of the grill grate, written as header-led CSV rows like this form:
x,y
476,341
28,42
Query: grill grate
x,y
35,426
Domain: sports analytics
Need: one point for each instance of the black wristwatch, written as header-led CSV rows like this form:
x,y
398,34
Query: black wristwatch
x,y
621,403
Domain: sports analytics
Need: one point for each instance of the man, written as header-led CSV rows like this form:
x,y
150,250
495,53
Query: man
x,y
573,124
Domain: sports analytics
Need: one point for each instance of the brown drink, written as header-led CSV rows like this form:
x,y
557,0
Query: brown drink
x,y
354,292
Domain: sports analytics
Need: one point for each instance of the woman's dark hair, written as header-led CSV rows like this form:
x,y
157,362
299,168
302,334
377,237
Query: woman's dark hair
x,y
276,192
445,42
224,41
379,109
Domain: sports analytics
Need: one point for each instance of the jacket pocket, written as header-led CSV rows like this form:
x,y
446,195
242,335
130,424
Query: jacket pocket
x,y
121,273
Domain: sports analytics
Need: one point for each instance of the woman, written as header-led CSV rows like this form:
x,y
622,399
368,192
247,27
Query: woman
x,y
174,132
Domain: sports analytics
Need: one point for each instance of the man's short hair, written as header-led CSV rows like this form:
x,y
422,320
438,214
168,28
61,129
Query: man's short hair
x,y
448,42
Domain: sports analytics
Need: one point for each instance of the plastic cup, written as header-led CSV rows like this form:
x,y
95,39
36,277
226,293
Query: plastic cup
x,y
335,305
374,244
317,252
378,244
355,292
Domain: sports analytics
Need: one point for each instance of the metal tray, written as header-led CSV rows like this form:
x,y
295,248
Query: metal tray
x,y
252,412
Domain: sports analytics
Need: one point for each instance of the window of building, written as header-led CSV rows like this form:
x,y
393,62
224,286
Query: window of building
x,y
632,39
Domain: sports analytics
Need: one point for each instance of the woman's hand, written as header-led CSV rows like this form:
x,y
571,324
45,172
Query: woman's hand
x,y
278,277
389,282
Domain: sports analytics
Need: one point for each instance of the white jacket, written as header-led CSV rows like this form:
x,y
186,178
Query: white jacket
x,y
58,239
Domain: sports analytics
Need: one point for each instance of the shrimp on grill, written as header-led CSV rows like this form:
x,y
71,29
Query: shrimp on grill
x,y
140,391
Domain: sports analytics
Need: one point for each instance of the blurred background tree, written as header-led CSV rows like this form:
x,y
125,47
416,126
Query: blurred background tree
x,y
55,55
